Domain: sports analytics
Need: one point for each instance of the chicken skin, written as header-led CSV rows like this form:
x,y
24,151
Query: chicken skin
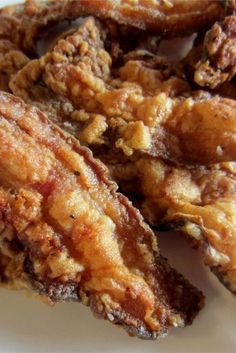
x,y
67,234
169,145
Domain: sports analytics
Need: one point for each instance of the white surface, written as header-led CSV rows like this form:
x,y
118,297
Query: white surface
x,y
29,326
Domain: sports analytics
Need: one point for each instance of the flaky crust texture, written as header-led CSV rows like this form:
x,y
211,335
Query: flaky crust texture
x,y
12,59
200,201
66,232
155,133
168,16
214,62
134,109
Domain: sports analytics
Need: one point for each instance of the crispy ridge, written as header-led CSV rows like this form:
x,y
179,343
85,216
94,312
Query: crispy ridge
x,y
168,17
71,236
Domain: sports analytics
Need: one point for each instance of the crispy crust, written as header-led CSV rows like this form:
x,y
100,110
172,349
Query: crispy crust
x,y
78,237
198,200
214,62
170,17
12,59
197,129
133,109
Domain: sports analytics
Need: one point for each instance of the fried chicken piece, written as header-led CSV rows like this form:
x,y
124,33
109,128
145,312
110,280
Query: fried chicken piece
x,y
214,62
198,200
11,60
133,109
137,103
169,17
68,234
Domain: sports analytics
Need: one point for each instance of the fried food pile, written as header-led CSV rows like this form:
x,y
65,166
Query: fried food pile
x,y
164,132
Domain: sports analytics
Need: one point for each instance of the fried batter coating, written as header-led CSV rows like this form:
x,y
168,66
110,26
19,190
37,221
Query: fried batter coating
x,y
11,60
214,62
22,23
168,17
68,234
134,108
198,200
10,23
195,199
132,116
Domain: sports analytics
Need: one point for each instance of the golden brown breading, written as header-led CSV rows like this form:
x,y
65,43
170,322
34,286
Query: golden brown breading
x,y
168,16
214,62
11,60
20,23
68,234
132,105
26,84
10,22
94,63
172,17
198,200
119,111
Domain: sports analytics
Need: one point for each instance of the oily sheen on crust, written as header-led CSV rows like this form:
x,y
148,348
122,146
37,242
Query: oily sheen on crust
x,y
66,233
154,133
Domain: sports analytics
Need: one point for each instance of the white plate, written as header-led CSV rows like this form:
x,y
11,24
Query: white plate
x,y
29,326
